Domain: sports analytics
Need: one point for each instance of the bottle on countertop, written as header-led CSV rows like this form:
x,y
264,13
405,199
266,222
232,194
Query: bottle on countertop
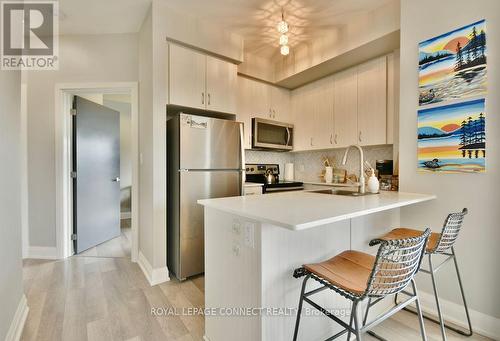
x,y
373,183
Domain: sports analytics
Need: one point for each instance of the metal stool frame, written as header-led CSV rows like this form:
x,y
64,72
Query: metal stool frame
x,y
395,266
449,234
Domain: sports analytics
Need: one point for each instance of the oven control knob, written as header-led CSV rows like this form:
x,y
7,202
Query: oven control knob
x,y
247,169
251,169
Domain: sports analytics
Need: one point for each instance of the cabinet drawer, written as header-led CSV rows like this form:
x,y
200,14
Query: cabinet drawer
x,y
253,190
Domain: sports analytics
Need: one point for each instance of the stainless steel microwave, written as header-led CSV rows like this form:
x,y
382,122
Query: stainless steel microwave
x,y
267,134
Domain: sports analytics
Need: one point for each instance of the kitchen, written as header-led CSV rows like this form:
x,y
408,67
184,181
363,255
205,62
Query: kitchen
x,y
320,156
299,170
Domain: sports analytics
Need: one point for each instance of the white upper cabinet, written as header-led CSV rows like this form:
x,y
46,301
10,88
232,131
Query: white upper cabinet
x,y
346,108
200,81
303,117
261,100
323,105
221,85
372,102
280,105
187,77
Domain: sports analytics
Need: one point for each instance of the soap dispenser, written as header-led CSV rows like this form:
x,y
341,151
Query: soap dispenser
x,y
373,183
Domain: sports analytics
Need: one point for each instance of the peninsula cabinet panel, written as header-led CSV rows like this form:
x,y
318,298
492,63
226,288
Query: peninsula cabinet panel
x,y
346,108
372,102
221,85
186,77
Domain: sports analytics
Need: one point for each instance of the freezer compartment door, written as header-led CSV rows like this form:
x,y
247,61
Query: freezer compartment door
x,y
196,185
209,143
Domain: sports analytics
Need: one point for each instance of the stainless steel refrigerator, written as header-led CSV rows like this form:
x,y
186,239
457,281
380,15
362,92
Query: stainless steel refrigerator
x,y
205,160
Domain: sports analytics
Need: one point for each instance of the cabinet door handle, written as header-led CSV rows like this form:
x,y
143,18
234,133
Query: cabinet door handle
x,y
335,139
274,113
359,137
311,141
270,113
331,138
208,99
202,98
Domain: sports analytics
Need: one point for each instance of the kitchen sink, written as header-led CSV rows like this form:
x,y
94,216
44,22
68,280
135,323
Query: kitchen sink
x,y
341,192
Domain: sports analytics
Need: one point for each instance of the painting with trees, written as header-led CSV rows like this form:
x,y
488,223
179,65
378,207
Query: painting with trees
x,y
452,66
452,138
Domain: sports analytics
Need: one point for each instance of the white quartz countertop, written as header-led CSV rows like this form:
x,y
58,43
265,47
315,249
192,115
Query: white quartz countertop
x,y
301,210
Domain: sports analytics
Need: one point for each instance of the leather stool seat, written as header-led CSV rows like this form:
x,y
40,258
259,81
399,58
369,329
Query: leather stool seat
x,y
349,270
403,232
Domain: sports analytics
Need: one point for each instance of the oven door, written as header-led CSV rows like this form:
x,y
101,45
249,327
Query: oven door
x,y
267,134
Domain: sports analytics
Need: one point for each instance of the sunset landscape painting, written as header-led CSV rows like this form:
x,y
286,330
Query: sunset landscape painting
x,y
452,138
453,65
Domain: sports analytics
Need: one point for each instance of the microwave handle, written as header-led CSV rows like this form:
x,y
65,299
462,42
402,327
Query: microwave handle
x,y
287,136
242,157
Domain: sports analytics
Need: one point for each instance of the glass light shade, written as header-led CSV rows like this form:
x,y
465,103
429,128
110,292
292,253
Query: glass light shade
x,y
282,27
283,39
285,50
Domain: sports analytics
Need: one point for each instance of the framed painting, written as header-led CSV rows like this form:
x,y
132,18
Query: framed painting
x,y
452,138
453,65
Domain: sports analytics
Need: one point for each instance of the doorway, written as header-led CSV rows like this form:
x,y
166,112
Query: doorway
x,y
107,116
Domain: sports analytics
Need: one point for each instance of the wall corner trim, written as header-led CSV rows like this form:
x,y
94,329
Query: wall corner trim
x,y
42,252
154,276
17,325
482,324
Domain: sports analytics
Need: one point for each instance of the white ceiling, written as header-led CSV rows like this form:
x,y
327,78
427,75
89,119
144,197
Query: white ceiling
x,y
256,20
101,16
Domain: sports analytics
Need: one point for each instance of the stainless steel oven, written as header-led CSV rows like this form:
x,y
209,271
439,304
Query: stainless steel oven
x,y
267,134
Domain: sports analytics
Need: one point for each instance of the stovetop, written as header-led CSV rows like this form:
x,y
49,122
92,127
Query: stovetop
x,y
257,173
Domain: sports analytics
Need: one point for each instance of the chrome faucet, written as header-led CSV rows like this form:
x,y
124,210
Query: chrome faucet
x,y
361,168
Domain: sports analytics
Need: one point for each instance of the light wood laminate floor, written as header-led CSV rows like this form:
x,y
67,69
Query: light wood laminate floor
x,y
92,298
116,247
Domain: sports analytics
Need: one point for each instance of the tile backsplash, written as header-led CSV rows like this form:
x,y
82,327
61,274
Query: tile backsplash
x,y
309,165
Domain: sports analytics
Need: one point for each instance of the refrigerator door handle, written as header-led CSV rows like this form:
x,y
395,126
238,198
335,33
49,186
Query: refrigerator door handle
x,y
242,157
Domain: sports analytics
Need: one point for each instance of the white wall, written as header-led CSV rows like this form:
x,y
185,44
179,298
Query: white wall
x,y
11,286
359,31
146,138
479,241
103,58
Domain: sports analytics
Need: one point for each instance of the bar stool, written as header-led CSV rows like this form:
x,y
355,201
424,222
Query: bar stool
x,y
439,244
356,276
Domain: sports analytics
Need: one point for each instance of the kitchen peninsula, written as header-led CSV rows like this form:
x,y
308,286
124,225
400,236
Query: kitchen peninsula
x,y
253,244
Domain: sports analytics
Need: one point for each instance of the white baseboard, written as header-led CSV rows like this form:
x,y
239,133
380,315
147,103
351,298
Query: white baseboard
x,y
17,325
154,276
42,252
481,323
125,215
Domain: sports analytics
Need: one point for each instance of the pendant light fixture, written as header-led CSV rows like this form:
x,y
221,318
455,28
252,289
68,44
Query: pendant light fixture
x,y
283,30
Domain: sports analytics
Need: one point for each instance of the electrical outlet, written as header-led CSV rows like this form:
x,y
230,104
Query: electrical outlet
x,y
236,250
236,227
249,232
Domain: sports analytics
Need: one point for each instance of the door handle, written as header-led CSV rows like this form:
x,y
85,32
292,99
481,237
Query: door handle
x,y
202,98
287,136
359,137
117,179
331,138
208,99
335,139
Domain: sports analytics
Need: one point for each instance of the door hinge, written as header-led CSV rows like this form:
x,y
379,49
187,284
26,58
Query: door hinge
x,y
73,236
73,175
73,112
